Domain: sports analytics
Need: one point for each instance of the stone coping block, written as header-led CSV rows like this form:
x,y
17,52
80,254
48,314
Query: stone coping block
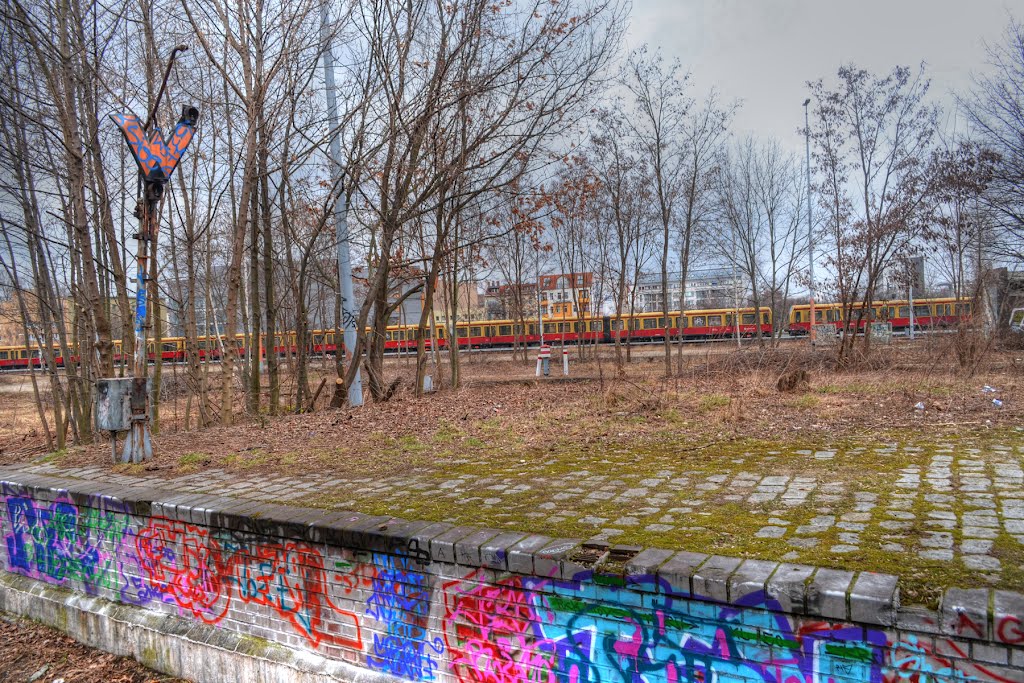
x,y
863,597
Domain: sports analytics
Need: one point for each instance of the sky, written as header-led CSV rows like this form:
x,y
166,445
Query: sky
x,y
762,52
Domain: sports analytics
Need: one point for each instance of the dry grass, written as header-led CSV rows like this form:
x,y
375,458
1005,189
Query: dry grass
x,y
725,394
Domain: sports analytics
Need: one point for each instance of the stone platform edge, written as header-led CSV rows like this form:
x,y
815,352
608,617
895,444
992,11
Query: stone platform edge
x,y
165,642
864,597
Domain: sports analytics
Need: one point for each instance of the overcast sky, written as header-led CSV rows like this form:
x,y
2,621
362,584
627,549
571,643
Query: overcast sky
x,y
764,51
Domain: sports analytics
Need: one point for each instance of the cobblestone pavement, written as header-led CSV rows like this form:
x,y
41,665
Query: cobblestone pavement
x,y
947,503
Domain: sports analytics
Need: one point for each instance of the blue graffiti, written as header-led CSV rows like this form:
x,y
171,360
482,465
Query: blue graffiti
x,y
601,633
400,600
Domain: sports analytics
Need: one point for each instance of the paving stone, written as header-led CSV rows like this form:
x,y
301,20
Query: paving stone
x,y
659,527
936,554
979,532
975,547
981,562
771,532
803,542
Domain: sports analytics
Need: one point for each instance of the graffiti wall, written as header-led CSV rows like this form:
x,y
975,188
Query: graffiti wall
x,y
409,615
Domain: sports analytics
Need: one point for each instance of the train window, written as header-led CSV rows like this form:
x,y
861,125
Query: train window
x,y
650,323
683,319
749,318
942,309
634,324
476,332
832,315
463,332
580,327
767,318
819,315
3,355
170,346
150,348
698,321
922,311
714,321
517,329
504,330
661,321
439,331
904,312
531,330
617,324
329,338
549,328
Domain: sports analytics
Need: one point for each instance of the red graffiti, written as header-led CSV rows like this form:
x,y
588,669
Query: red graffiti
x,y
489,632
965,622
1010,631
202,575
917,661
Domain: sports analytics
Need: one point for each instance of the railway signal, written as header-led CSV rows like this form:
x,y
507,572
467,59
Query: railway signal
x,y
156,158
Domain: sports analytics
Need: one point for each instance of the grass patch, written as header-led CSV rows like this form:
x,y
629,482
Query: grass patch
x,y
806,402
53,457
711,402
191,462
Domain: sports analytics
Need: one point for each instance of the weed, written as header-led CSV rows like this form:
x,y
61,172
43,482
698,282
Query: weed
x,y
712,401
806,402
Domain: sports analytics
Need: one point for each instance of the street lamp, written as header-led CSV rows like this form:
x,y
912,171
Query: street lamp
x,y
810,226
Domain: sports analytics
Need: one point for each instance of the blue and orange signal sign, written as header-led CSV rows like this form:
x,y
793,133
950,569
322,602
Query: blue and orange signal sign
x,y
157,158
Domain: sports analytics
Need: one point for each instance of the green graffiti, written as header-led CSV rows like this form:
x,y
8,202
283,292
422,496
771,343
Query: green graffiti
x,y
577,606
605,580
765,639
860,654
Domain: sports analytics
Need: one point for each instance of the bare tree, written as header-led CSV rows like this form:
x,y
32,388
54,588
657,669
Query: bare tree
x,y
872,139
659,127
995,108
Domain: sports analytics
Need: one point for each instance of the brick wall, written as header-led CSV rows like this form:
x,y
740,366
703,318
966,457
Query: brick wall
x,y
421,601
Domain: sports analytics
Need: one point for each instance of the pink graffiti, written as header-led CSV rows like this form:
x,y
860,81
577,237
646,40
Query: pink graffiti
x,y
490,633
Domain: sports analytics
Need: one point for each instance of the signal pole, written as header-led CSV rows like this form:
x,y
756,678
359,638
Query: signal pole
x,y
348,312
156,158
810,225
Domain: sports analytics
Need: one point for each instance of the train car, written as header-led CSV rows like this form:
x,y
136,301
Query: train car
x,y
696,324
928,314
18,358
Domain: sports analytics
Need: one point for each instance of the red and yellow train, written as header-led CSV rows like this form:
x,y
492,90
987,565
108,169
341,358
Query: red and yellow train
x,y
715,323
698,324
928,314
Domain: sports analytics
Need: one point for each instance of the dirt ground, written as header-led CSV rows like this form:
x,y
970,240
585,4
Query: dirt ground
x,y
720,395
32,652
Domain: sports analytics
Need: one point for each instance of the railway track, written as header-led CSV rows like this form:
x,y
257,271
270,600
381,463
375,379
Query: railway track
x,y
399,353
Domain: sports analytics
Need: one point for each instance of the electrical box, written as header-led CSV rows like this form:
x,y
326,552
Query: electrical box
x,y
113,404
